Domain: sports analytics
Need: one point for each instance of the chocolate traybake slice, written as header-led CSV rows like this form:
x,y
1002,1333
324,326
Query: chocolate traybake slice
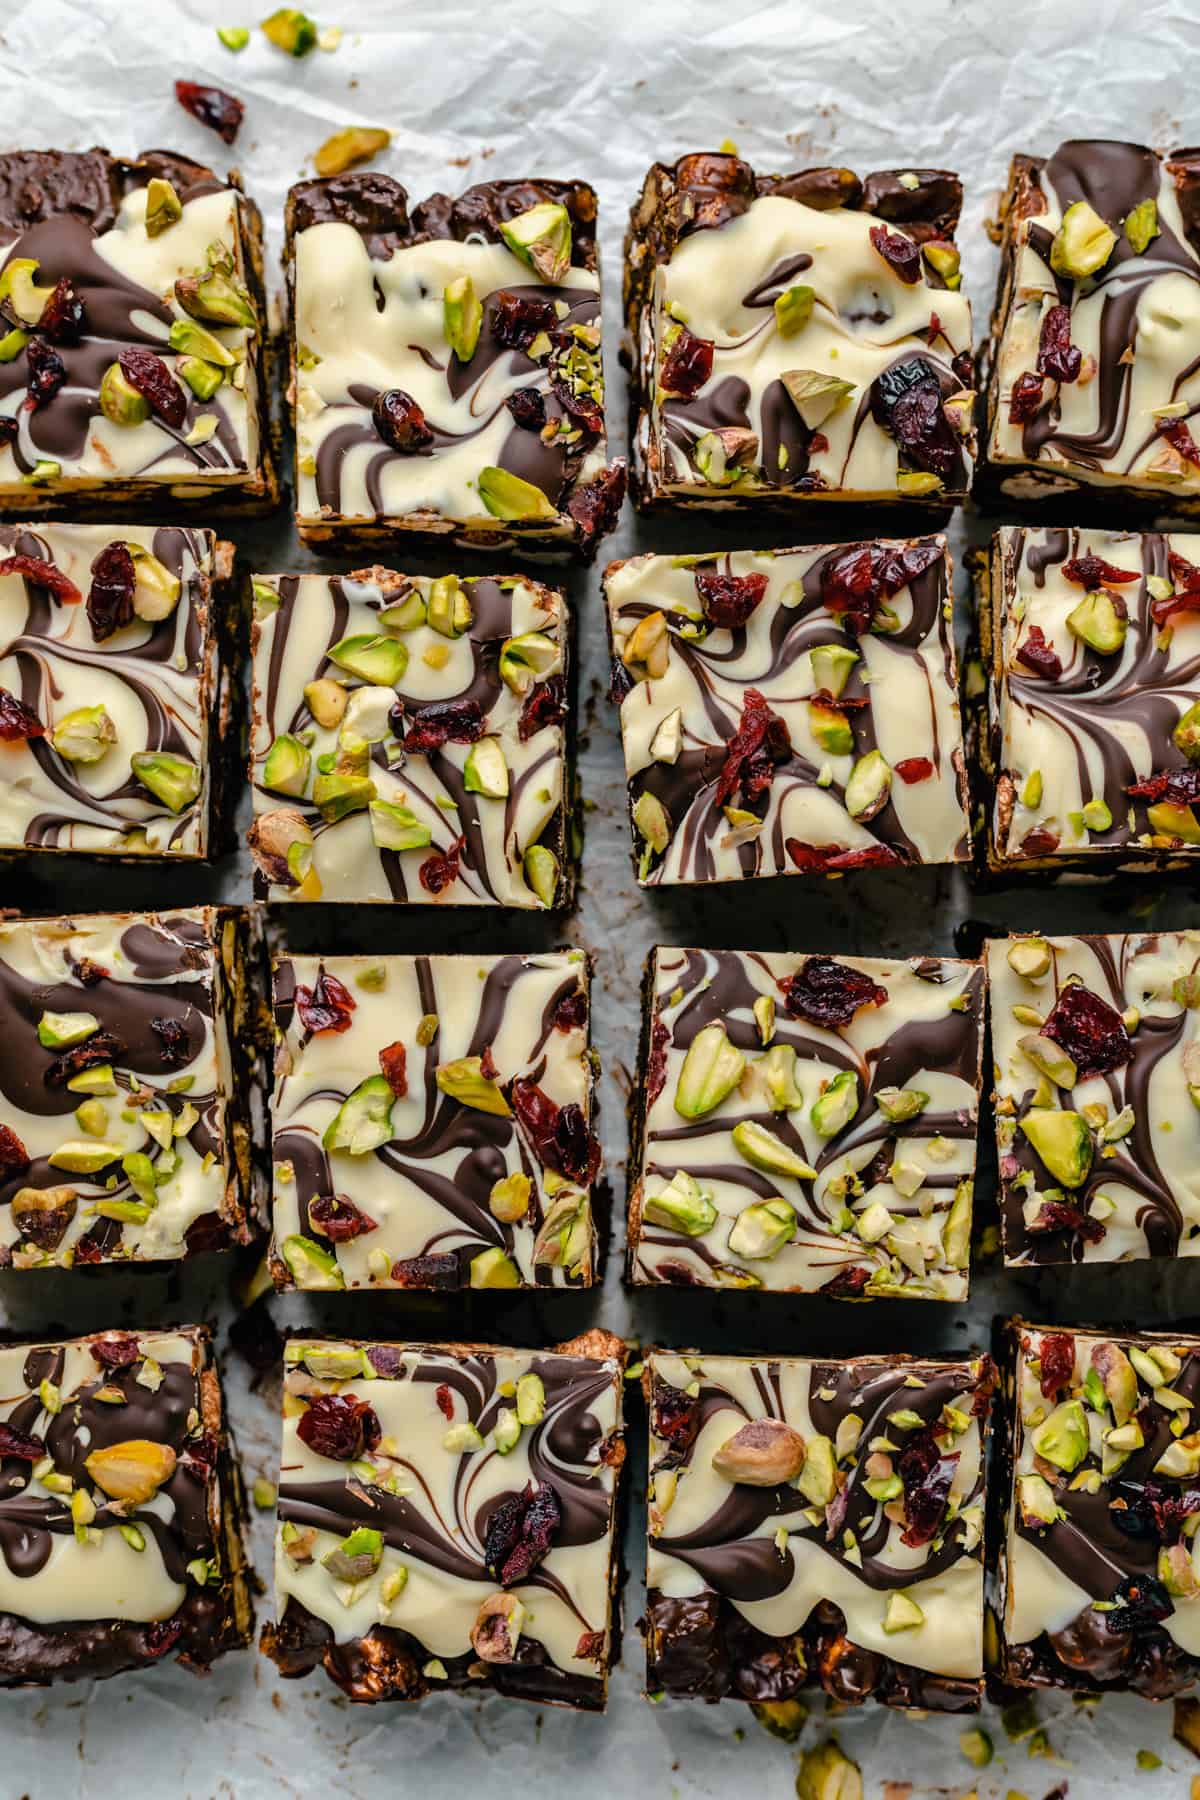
x,y
446,374
1092,749
120,710
1095,1585
797,341
817,1523
807,1125
447,1519
1096,1042
411,740
122,1509
433,1122
789,712
133,338
132,1097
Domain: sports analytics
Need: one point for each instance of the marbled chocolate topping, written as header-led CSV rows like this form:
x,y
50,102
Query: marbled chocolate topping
x,y
848,1227
1105,721
756,1591
120,1538
684,702
440,1471
1134,1192
157,681
454,1191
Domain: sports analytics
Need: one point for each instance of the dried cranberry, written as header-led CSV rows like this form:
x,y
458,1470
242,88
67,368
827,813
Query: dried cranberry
x,y
1184,574
1140,1600
21,1444
596,506
520,1531
101,1047
1057,1358
847,1283
913,769
571,1011
445,1400
528,408
1040,842
426,1272
688,364
400,422
89,973
829,993
656,1067
1091,1032
174,1042
676,1417
116,1350
338,1219
824,859
1092,572
545,704
1057,356
855,581
559,1135
88,1248
386,1360
1060,1215
518,318
161,1635
440,870
1037,655
63,318
18,722
212,106
442,722
393,1060
13,1155
760,742
1026,397
729,599
1171,1507
621,682
110,597
1181,786
1180,438
47,372
906,402
899,252
339,1426
590,1647
927,1475
325,1006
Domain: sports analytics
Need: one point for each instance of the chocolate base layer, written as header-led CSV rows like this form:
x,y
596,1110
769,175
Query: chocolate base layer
x,y
88,186
377,208
706,190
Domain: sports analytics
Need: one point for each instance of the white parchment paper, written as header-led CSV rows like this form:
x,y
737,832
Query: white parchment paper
x,y
562,88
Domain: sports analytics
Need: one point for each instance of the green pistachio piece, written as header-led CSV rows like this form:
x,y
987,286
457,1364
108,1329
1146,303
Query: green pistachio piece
x,y
336,796
826,1773
349,147
1181,1459
565,1239
465,1081
44,470
396,827
509,1198
120,401
333,1362
18,287
724,456
1083,242
493,1269
381,661
1035,1497
156,591
215,298
541,237
542,873
364,1119
310,1266
761,1231
815,396
1062,1438
1097,816
1029,957
869,786
763,1150
506,496
83,1159
764,1017
92,1118
899,1104
1097,623
794,308
524,659
873,1222
291,30
1166,819
462,317
96,1080
1062,1141
1141,225
406,614
234,37
357,1557
916,482
506,1433
265,596
191,339
944,260
711,1070
462,1439
164,208
486,771
652,820
171,779
1186,735
448,607
784,1719
831,666
833,1109
12,344
681,1206
126,1212
286,767
831,729
956,1234
667,741
777,1071
531,1399
1117,1379
326,701
1031,793
1049,1058
59,1030
817,1480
